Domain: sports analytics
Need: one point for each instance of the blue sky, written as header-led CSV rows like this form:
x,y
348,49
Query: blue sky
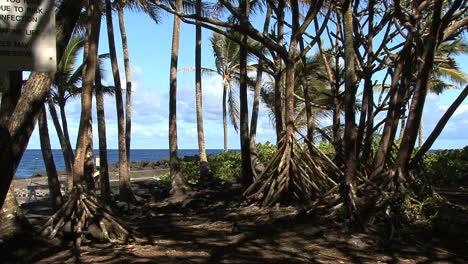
x,y
150,46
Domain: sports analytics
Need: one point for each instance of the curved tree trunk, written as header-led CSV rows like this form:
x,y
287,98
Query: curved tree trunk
x,y
128,87
179,187
103,164
439,127
12,219
256,163
125,189
82,172
63,144
15,135
400,171
52,177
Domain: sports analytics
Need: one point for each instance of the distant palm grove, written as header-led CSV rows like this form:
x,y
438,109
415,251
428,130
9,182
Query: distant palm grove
x,y
345,83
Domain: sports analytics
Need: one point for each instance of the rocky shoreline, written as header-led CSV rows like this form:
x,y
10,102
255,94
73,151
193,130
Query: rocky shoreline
x,y
36,188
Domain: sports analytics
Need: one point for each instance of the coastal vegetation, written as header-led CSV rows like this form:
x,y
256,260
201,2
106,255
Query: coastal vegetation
x,y
345,82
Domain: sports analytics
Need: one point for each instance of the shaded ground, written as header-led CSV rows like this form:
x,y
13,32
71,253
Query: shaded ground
x,y
213,227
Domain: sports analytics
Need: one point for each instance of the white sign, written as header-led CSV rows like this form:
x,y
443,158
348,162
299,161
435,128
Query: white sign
x,y
27,35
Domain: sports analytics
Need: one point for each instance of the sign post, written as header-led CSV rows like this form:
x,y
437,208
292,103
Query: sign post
x,y
27,35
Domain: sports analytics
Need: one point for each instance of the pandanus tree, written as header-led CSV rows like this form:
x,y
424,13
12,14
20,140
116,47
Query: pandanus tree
x,y
82,212
296,174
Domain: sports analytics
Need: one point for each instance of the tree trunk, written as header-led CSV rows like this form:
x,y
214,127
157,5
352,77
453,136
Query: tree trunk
x,y
256,163
396,93
417,104
52,177
225,124
348,182
12,218
14,136
247,174
205,170
63,145
179,187
421,132
81,172
128,78
66,135
125,189
278,101
439,127
103,164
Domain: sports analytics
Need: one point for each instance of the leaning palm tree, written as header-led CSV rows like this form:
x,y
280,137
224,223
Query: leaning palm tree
x,y
446,69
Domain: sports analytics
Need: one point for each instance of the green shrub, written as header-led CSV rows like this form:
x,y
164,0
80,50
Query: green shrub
x,y
226,165
448,168
328,149
265,151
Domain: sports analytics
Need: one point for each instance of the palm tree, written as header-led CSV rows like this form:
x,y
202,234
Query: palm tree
x,y
64,86
52,178
179,187
226,52
150,9
445,67
125,189
205,171
103,166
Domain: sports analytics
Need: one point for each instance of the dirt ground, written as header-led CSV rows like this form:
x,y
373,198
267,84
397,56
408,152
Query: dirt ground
x,y
215,227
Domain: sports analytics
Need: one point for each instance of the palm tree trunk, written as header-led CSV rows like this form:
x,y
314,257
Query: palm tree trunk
x,y
81,171
66,135
205,170
125,189
23,119
421,132
439,127
128,78
179,187
225,124
63,145
247,173
103,164
52,177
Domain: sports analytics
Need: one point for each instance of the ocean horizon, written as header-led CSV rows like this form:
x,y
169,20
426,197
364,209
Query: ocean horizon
x,y
32,160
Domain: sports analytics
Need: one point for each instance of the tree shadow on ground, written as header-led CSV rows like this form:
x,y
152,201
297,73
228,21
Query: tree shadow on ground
x,y
213,227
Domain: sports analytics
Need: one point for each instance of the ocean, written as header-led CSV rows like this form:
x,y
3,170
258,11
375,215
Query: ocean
x,y
32,159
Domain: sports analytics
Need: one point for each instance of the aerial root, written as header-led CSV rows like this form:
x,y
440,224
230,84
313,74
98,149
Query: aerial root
x,y
292,172
83,217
